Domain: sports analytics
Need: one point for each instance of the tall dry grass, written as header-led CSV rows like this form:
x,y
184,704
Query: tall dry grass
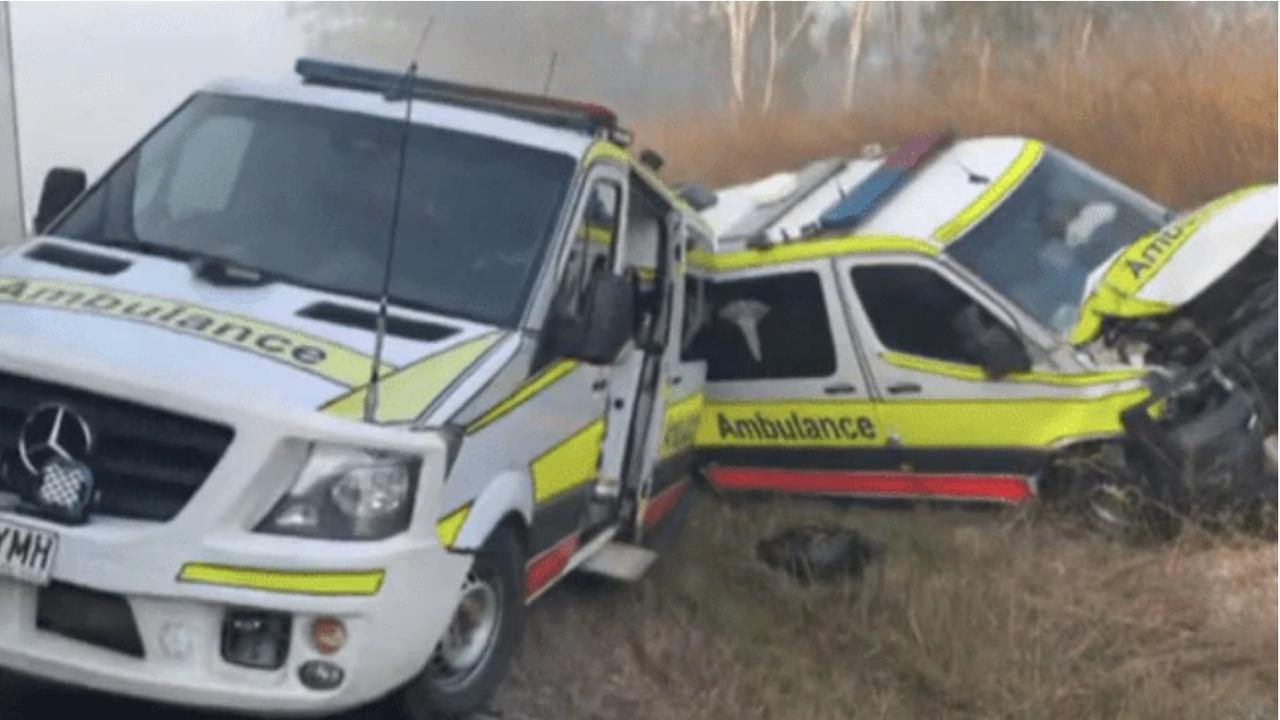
x,y
1183,118
970,616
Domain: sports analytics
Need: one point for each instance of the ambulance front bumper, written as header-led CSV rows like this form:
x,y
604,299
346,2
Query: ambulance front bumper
x,y
395,606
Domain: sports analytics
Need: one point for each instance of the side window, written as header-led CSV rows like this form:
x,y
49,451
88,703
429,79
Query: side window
x,y
765,328
914,310
695,315
647,247
593,243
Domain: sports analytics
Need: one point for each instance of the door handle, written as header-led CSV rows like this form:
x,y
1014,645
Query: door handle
x,y
675,380
600,385
904,388
840,389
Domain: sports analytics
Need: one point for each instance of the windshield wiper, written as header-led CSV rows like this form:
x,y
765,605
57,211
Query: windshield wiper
x,y
209,268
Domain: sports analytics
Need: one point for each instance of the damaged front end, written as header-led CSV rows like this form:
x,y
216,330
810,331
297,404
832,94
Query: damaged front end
x,y
1200,437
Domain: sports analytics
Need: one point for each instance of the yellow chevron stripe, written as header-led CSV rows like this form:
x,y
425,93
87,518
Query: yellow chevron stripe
x,y
450,525
572,463
531,387
403,395
1026,159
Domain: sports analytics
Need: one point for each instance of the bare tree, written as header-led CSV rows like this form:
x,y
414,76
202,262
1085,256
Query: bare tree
x,y
857,27
739,19
777,51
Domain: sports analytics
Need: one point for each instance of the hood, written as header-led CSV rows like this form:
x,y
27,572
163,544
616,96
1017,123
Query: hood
x,y
280,342
1166,269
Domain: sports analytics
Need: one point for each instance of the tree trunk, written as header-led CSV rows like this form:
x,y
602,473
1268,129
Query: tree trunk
x,y
739,18
857,26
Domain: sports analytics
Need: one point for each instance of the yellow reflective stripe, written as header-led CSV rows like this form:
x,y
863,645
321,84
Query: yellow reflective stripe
x,y
531,387
1038,423
1007,423
330,360
285,581
789,423
572,463
680,425
403,395
1036,377
1116,293
450,525
1026,159
809,250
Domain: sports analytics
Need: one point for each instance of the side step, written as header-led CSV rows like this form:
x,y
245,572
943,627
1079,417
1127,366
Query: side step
x,y
620,561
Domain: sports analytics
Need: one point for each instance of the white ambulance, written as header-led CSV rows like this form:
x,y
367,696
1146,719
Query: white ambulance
x,y
312,392
986,319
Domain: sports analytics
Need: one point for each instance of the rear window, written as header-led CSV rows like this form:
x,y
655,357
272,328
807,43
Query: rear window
x,y
765,328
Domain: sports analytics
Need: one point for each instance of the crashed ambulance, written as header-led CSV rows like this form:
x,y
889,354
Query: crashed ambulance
x,y
986,319
322,382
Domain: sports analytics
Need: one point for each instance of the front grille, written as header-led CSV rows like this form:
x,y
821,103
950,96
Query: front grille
x,y
147,463
90,616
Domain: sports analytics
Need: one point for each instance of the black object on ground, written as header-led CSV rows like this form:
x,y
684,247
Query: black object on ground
x,y
822,553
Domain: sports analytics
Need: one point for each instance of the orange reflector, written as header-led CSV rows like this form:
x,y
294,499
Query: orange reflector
x,y
328,635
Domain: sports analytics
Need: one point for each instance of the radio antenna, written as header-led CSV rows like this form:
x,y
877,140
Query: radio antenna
x,y
410,78
551,73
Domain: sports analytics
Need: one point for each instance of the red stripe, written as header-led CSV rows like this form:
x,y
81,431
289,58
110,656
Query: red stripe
x,y
1005,488
913,150
547,566
662,503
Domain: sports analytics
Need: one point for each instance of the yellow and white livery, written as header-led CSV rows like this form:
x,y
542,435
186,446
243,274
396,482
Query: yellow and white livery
x,y
957,319
209,494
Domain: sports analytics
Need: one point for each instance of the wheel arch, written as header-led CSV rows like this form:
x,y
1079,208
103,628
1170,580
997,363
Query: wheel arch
x,y
507,499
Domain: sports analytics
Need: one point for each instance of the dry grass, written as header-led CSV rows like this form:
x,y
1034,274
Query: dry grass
x,y
1182,119
970,615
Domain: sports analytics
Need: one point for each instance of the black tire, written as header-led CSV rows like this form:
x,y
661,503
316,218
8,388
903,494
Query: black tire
x,y
1099,484
441,691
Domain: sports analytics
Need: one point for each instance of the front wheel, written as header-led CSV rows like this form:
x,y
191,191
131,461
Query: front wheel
x,y
1099,483
473,656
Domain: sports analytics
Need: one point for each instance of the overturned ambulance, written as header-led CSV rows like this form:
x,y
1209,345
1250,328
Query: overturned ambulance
x,y
322,382
986,319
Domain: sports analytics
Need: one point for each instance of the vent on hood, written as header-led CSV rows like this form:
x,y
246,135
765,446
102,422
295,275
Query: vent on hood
x,y
64,256
368,320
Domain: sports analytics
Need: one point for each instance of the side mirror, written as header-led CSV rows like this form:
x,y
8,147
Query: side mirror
x,y
602,329
997,350
61,188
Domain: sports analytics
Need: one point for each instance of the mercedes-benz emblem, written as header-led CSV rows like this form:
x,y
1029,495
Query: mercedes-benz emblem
x,y
53,432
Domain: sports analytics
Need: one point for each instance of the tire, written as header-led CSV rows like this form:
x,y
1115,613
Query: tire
x,y
1097,483
464,670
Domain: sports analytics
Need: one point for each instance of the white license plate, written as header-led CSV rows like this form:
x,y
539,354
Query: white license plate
x,y
26,553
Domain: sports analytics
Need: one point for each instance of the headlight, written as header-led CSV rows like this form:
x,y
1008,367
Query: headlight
x,y
347,493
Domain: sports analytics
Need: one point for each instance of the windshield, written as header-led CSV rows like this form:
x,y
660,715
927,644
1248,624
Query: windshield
x,y
1040,245
305,194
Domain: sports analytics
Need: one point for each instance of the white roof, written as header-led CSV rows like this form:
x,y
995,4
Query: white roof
x,y
475,122
932,195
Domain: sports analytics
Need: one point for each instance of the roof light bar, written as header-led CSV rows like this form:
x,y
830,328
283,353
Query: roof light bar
x,y
867,195
582,116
